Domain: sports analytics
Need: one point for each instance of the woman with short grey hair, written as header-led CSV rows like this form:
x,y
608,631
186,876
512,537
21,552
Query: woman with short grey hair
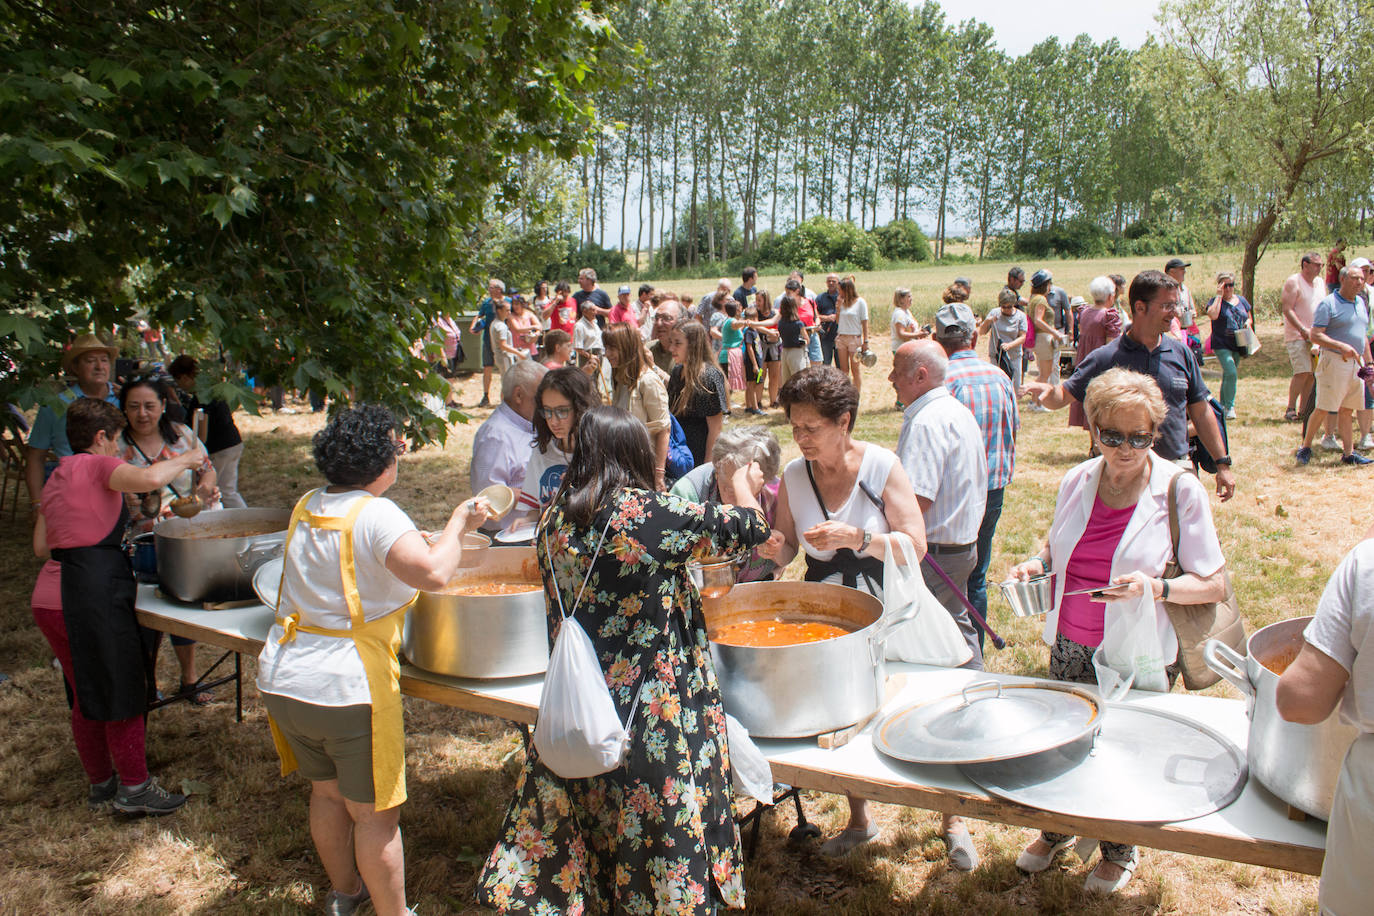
x,y
735,447
1098,324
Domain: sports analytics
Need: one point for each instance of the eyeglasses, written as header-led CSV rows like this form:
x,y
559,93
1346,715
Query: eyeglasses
x,y
1115,438
1228,286
555,413
399,446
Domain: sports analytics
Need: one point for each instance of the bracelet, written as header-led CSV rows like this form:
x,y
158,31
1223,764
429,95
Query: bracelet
x,y
1164,589
1044,567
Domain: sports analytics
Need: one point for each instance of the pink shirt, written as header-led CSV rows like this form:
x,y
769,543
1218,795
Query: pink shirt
x,y
624,313
1080,618
79,509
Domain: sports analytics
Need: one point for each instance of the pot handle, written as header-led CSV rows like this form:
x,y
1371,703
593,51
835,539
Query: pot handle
x,y
259,552
886,626
1229,664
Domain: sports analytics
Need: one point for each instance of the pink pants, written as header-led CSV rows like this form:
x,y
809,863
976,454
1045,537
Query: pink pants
x,y
103,747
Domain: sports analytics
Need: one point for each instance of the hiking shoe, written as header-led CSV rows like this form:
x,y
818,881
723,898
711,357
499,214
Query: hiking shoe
x,y
148,798
1353,458
485,402
1330,443
337,903
1304,455
102,793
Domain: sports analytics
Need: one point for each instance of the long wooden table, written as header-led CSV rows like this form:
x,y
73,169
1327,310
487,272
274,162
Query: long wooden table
x,y
1254,829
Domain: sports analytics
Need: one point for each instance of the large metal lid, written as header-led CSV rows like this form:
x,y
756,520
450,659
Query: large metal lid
x,y
988,721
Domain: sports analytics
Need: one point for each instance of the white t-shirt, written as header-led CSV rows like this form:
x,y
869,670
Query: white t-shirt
x,y
326,670
543,476
848,320
587,335
500,335
858,509
901,318
1343,629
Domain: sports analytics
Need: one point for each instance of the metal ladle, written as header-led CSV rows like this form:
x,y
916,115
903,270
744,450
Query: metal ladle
x,y
185,506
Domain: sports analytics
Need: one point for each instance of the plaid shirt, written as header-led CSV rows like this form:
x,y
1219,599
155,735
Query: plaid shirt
x,y
986,391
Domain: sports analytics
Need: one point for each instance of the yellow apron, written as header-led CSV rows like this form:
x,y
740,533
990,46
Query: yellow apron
x,y
377,641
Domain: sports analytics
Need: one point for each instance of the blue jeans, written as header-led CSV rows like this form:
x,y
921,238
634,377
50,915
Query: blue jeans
x,y
977,588
815,348
1229,375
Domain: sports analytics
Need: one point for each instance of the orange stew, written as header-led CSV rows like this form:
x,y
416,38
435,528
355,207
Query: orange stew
x,y
761,633
1279,663
489,589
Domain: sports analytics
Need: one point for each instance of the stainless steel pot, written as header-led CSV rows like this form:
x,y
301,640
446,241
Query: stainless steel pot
x,y
1298,763
795,691
491,636
198,559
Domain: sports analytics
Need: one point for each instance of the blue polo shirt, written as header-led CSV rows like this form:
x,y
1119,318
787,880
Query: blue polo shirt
x,y
1169,364
50,429
1343,320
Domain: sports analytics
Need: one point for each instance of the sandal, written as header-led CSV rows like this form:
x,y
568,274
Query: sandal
x,y
1099,885
1290,415
199,698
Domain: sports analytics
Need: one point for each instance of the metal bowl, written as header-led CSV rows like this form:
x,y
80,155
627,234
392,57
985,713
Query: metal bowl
x,y
1031,598
714,576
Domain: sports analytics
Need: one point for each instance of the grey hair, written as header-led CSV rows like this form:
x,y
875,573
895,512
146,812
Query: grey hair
x,y
929,355
496,283
1348,270
724,284
1101,289
526,373
738,445
587,273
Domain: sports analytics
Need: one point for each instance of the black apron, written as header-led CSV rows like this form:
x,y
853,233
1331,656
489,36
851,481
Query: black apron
x,y
109,655
849,564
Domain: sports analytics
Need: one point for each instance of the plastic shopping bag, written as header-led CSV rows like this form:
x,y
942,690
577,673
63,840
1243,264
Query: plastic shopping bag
x,y
931,637
578,732
750,772
1132,650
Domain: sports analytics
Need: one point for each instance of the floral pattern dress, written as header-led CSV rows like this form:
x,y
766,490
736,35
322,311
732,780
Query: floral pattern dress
x,y
655,835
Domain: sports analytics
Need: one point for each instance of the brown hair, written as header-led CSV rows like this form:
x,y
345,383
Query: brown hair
x,y
695,361
955,292
848,291
624,341
825,388
88,416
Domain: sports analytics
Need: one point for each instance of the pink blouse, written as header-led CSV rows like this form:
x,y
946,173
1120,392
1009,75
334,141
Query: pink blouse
x,y
1080,617
79,509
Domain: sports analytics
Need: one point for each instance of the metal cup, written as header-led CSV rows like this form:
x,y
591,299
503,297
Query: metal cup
x,y
1031,598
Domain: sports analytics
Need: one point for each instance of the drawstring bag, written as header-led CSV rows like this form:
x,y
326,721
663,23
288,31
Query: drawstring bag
x,y
932,637
578,732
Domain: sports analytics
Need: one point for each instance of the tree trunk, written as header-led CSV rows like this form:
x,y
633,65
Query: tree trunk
x,y
624,190
692,213
673,199
649,162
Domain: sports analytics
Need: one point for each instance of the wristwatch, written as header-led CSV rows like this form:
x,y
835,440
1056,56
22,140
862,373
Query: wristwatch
x,y
1224,460
867,539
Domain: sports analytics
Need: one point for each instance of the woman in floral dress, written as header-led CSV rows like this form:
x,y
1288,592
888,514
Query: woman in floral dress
x,y
654,835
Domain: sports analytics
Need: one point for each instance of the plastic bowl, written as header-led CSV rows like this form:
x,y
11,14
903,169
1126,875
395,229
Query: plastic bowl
x,y
1031,598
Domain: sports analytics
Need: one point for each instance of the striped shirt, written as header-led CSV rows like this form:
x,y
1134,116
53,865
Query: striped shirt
x,y
987,392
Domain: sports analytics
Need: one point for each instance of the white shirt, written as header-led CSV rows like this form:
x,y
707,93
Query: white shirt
x,y
901,318
849,320
500,334
500,451
327,670
1145,544
543,477
587,335
1343,629
941,449
858,509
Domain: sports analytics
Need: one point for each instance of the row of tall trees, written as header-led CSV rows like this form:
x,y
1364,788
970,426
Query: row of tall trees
x,y
869,110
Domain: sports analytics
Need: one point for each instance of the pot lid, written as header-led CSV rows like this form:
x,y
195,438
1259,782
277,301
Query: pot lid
x,y
989,720
1145,766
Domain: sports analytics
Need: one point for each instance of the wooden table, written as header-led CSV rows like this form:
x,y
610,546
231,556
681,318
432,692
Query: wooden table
x,y
1254,829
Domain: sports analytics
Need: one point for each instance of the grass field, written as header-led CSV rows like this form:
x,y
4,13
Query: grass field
x,y
241,845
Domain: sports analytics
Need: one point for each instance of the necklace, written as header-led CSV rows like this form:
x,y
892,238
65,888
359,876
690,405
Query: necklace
x,y
1114,492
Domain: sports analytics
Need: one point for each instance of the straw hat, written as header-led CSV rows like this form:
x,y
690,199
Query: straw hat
x,y
85,344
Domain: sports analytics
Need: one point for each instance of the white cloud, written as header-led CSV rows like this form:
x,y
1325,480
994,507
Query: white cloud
x,y
1020,25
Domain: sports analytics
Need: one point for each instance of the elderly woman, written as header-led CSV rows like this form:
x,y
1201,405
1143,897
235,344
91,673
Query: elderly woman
x,y
638,388
1111,521
83,602
1230,312
736,447
1098,324
838,503
655,834
328,672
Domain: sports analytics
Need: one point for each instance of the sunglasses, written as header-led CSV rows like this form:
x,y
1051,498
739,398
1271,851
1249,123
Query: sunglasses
x,y
555,413
1114,438
1228,286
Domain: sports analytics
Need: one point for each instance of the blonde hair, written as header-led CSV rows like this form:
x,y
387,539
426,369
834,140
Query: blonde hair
x,y
1118,388
898,295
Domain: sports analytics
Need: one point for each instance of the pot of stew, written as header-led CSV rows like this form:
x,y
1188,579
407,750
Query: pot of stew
x,y
198,559
798,658
1298,763
488,622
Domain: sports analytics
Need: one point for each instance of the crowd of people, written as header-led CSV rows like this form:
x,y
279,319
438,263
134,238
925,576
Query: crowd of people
x,y
610,428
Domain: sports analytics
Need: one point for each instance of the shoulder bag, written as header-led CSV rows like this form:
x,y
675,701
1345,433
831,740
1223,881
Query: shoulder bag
x,y
1195,624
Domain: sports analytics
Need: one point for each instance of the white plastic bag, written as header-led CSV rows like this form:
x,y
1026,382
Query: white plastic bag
x,y
750,772
931,637
1132,645
578,732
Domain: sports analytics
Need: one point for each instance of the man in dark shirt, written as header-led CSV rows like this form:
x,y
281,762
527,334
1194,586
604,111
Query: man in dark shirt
x,y
825,315
1146,348
749,283
586,279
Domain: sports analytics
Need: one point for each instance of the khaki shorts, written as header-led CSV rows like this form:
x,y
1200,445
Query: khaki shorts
x,y
1338,387
1299,355
330,742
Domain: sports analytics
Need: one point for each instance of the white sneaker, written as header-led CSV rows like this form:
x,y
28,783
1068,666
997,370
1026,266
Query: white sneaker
x,y
1230,413
1367,441
1331,444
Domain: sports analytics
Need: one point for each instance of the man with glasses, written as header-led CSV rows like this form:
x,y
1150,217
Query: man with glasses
x,y
668,313
1339,327
1298,300
1146,348
501,448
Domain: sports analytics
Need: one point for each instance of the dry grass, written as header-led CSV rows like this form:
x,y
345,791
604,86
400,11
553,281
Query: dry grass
x,y
242,846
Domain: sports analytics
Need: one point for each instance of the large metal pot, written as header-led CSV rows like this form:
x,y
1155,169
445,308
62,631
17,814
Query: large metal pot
x,y
212,556
482,636
795,691
1298,763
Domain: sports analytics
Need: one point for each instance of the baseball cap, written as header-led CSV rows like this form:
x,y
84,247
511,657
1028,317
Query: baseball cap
x,y
954,320
624,291
1360,263
1041,277
1177,262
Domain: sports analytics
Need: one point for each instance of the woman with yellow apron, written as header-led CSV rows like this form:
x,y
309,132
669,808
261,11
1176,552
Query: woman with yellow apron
x,y
328,672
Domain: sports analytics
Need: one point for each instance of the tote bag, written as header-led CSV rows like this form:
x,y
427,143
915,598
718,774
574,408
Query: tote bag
x,y
932,637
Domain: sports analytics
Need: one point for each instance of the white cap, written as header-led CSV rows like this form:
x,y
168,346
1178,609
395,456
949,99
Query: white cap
x,y
1360,263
